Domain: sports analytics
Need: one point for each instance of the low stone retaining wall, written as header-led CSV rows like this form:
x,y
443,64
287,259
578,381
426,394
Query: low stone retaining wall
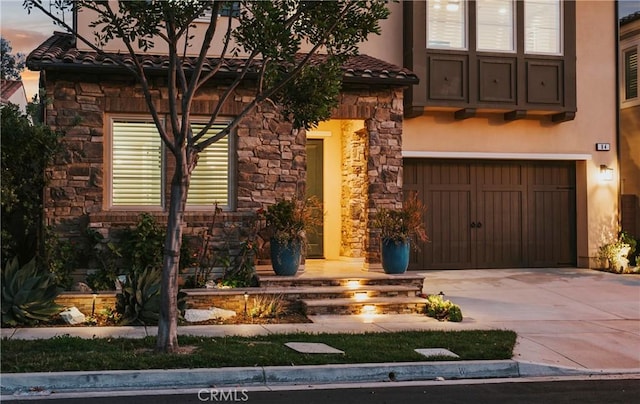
x,y
229,299
85,301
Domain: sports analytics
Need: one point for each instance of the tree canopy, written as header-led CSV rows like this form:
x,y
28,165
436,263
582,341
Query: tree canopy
x,y
279,43
12,65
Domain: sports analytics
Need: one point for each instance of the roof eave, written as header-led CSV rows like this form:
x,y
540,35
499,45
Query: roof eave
x,y
347,79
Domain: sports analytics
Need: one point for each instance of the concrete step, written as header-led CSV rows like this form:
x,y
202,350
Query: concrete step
x,y
353,281
374,305
202,298
337,292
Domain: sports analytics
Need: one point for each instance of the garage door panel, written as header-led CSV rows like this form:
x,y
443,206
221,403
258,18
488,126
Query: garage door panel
x,y
448,228
552,244
525,212
499,230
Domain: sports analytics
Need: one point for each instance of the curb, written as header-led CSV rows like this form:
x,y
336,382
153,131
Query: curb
x,y
19,383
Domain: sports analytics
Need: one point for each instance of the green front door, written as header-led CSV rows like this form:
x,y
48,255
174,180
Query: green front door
x,y
315,182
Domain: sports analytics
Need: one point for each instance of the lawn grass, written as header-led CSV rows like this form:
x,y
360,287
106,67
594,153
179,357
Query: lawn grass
x,y
66,353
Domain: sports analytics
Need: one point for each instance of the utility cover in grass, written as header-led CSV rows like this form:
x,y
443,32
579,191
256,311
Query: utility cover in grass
x,y
313,348
431,352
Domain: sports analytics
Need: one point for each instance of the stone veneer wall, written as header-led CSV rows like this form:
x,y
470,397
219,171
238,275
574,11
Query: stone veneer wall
x,y
271,155
354,193
382,111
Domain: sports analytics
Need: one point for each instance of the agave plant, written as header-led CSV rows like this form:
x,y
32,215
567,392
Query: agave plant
x,y
139,302
28,294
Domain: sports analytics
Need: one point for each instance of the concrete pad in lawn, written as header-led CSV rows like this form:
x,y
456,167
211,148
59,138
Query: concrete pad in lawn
x,y
440,352
313,348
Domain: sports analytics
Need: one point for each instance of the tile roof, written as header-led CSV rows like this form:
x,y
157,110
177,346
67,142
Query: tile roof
x,y
8,88
630,18
59,52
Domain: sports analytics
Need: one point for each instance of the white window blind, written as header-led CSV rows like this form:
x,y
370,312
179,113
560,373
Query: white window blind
x,y
542,26
210,178
446,24
495,22
631,74
136,165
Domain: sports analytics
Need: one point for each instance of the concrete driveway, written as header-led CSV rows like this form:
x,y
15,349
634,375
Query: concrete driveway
x,y
571,317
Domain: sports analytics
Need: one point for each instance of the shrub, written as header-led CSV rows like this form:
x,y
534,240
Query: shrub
x,y
28,294
268,306
107,255
288,220
140,248
443,310
26,150
139,301
632,256
60,257
402,225
615,256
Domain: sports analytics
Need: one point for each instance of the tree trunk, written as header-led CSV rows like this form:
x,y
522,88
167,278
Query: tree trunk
x,y
167,340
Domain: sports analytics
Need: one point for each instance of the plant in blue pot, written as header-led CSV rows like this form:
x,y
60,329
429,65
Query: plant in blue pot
x,y
288,222
399,230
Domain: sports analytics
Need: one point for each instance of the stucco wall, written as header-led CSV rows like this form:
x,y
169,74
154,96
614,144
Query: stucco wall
x,y
488,135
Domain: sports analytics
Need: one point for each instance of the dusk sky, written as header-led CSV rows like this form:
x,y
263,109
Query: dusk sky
x,y
25,32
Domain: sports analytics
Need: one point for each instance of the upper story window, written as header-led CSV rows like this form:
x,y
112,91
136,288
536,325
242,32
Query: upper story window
x,y
449,25
227,9
630,65
542,27
496,25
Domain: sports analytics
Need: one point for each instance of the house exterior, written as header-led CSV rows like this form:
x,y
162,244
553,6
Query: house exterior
x,y
630,124
117,168
502,118
503,132
12,92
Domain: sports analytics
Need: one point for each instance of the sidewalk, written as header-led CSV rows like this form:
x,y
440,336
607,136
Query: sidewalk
x,y
568,321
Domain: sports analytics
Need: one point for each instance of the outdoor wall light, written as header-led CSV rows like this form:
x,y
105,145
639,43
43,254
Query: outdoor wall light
x,y
441,294
353,284
606,173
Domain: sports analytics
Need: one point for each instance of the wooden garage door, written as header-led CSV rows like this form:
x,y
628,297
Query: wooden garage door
x,y
494,214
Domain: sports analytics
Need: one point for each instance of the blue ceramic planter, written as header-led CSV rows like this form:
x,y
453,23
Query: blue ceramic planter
x,y
395,256
285,256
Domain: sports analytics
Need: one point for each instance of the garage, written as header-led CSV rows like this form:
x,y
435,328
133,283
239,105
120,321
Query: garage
x,y
494,214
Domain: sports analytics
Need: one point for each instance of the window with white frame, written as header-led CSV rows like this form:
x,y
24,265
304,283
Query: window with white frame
x,y
630,65
543,27
494,25
210,179
447,24
136,164
136,169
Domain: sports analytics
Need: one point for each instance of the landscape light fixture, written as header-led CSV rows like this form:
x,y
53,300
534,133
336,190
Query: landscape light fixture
x,y
93,304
